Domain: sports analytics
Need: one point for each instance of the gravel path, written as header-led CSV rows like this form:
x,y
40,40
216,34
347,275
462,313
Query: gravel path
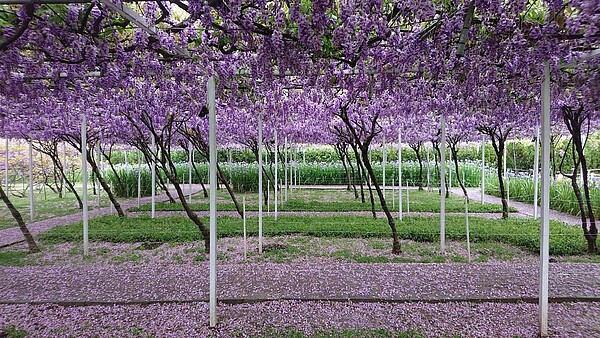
x,y
107,283
13,235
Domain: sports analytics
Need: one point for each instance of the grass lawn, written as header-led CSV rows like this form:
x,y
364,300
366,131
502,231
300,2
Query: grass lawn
x,y
521,233
44,207
335,201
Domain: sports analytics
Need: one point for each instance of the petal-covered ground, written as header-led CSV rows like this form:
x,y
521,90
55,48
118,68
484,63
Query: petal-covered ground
x,y
108,283
266,319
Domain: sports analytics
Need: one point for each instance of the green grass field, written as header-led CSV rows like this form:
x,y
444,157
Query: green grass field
x,y
522,233
335,201
45,206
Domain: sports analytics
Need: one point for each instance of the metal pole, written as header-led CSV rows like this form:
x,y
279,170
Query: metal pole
x,y
370,161
295,167
126,159
64,164
84,179
139,180
110,205
536,172
506,174
6,164
285,170
190,159
545,224
467,225
276,174
260,183
443,184
98,190
212,144
407,199
268,196
400,174
428,172
450,175
153,187
384,155
482,168
245,238
30,148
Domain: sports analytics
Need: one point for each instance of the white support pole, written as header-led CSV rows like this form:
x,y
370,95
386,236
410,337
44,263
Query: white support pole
x,y
285,170
428,172
190,159
545,223
276,174
482,168
139,179
383,163
443,185
6,164
298,172
260,182
514,157
30,151
245,237
212,145
296,168
110,205
450,175
393,192
229,162
126,158
64,164
268,196
100,169
536,173
153,187
370,161
399,174
84,182
467,225
506,179
407,199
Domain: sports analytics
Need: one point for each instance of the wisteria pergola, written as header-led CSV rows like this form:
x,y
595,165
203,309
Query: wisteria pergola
x,y
337,99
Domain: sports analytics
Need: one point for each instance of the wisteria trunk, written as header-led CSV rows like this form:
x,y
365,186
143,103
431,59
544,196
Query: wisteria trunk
x,y
229,190
346,171
499,150
360,172
114,171
204,192
353,175
189,212
573,119
396,249
31,244
105,186
454,152
417,150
